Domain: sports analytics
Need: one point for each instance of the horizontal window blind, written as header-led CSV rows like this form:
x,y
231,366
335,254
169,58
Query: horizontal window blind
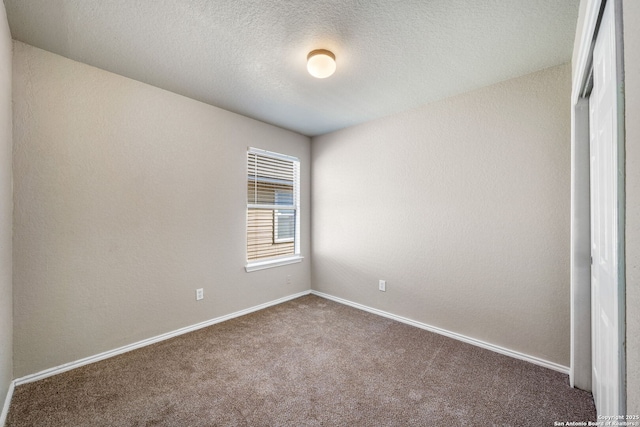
x,y
272,205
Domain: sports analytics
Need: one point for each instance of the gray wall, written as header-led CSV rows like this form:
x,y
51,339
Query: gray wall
x,y
127,199
462,206
6,209
631,13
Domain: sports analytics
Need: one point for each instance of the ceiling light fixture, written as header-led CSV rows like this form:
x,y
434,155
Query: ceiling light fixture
x,y
321,63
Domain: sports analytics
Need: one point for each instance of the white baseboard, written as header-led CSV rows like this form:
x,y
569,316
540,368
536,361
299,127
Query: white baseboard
x,y
107,354
459,337
7,403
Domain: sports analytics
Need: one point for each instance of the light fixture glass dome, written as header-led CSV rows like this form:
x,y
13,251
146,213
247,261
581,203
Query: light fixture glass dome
x,y
321,63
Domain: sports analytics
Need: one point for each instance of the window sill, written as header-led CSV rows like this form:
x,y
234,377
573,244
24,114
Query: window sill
x,y
261,265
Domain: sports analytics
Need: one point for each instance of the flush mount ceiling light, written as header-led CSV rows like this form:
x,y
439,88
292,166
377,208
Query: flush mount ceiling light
x,y
321,63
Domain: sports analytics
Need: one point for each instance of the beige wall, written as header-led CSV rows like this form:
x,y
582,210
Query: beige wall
x,y
631,13
127,199
462,206
6,209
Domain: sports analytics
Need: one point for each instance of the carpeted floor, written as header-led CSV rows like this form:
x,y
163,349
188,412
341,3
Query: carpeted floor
x,y
307,362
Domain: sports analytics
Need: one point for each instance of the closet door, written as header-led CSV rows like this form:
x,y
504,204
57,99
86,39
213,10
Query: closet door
x,y
604,217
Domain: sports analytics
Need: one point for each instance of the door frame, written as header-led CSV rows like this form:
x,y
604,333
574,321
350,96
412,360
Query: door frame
x,y
580,363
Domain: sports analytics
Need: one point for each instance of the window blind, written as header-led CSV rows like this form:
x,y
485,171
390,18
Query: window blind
x,y
272,205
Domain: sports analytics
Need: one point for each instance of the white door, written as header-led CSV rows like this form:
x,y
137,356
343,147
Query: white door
x,y
604,213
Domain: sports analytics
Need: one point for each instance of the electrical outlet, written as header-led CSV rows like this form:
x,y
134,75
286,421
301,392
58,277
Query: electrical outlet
x,y
199,294
382,285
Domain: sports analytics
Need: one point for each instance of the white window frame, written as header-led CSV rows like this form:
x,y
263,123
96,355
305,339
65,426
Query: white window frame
x,y
277,261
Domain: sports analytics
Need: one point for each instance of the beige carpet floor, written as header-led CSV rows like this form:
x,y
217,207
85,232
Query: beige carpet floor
x,y
307,362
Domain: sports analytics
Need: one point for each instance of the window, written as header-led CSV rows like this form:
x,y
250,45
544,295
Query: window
x,y
273,209
284,220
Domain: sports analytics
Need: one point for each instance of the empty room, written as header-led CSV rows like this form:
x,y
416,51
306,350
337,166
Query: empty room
x,y
319,213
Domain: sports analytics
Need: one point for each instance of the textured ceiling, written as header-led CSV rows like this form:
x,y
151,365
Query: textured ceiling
x,y
249,56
